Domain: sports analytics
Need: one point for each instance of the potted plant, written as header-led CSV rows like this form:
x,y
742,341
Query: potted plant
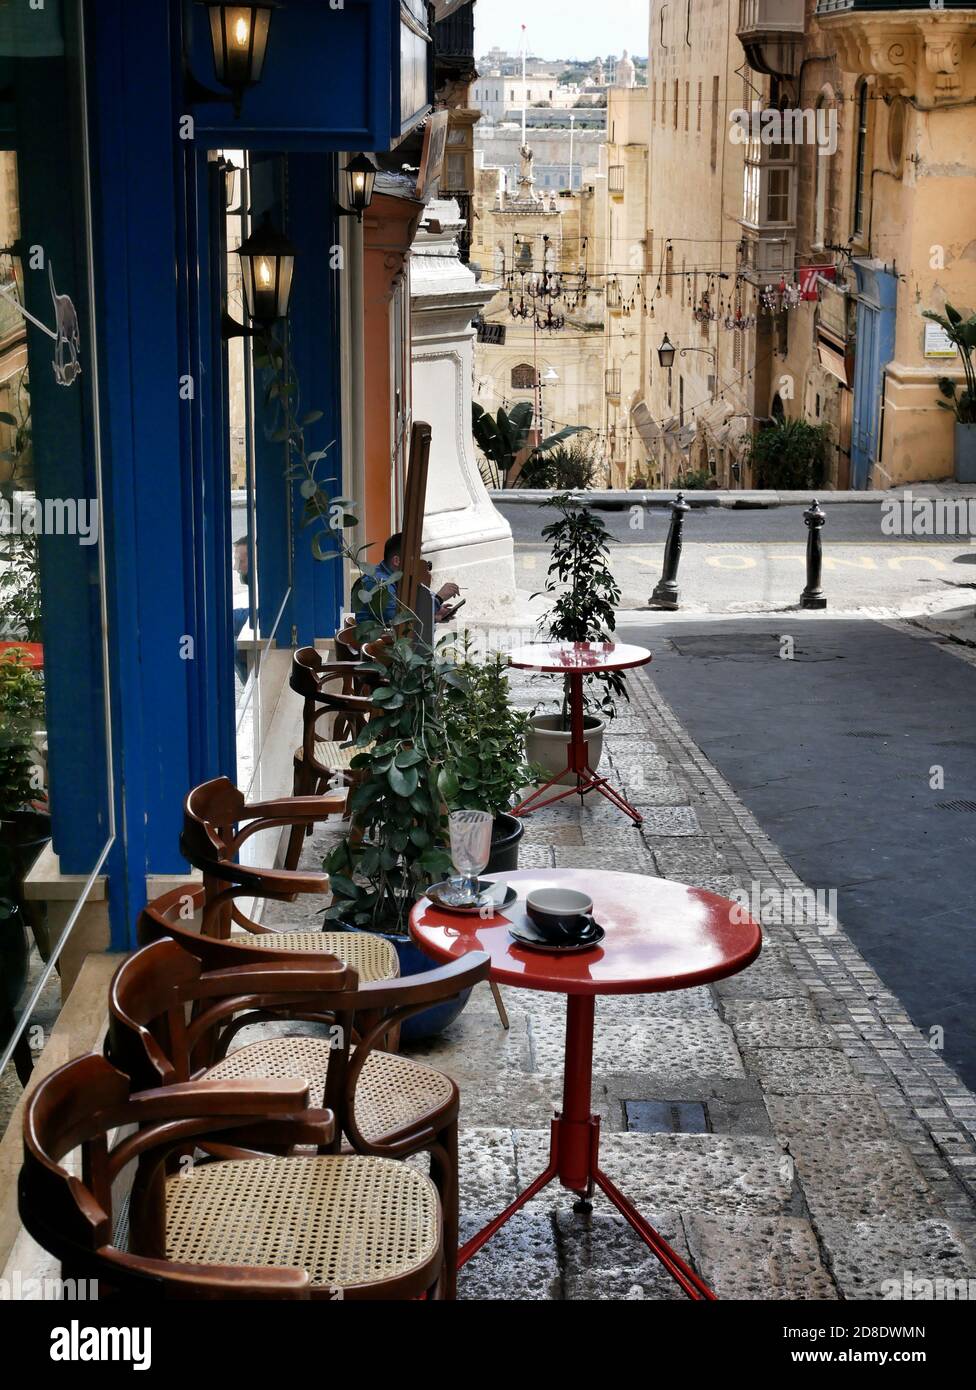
x,y
396,846
790,454
505,441
486,767
24,824
962,332
584,611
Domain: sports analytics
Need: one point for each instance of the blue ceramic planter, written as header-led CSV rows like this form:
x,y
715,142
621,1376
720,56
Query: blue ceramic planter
x,y
434,1020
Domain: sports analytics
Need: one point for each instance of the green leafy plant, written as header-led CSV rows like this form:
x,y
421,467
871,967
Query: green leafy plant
x,y
585,610
485,737
395,848
562,467
20,577
504,436
790,454
694,478
403,782
962,332
21,715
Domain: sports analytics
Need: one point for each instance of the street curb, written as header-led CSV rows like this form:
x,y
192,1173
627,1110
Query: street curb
x,y
696,497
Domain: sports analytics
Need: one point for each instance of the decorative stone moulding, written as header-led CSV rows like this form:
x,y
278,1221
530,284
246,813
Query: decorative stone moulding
x,y
926,54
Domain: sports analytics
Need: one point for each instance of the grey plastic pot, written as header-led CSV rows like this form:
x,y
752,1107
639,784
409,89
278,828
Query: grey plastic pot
x,y
965,448
547,742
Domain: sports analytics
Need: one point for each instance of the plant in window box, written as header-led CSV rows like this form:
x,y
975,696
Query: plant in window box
x,y
962,403
486,762
24,824
584,611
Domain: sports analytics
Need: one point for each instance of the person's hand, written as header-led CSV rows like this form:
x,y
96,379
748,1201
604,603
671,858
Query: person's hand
x,y
448,591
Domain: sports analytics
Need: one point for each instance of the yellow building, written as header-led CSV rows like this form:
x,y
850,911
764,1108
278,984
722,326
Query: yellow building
x,y
623,257
521,236
700,338
824,193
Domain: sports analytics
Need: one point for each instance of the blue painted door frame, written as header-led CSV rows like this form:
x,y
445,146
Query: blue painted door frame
x,y
875,347
163,408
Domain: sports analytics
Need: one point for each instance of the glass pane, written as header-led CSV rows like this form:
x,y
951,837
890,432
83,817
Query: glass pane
x,y
55,803
256,482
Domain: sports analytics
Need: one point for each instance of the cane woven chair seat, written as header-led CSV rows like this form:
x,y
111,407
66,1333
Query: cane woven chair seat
x,y
333,756
372,956
392,1094
347,1220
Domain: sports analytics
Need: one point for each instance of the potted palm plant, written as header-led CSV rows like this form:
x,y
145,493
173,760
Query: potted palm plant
x,y
962,332
486,766
505,441
584,611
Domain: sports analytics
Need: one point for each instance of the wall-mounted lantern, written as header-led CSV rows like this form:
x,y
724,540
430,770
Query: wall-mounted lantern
x,y
267,269
665,353
359,179
239,34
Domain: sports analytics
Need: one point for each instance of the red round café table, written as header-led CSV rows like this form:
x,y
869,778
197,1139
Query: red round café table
x,y
576,661
659,936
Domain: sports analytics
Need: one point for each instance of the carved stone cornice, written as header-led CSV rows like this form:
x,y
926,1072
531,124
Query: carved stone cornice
x,y
926,54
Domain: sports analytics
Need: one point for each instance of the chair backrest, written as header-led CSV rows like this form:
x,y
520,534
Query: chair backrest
x,y
216,822
76,1108
175,914
152,1039
311,676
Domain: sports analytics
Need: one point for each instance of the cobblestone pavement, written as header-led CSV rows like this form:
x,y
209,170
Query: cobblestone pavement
x,y
811,1145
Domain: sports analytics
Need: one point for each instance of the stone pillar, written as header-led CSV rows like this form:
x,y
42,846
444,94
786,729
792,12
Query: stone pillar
x,y
465,537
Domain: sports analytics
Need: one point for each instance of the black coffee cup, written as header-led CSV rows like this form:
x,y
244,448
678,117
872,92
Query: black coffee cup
x,y
560,915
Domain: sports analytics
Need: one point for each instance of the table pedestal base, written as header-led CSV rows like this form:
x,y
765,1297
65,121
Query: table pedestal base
x,y
574,1156
586,781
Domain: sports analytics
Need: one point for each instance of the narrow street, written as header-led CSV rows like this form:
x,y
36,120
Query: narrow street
x,y
753,561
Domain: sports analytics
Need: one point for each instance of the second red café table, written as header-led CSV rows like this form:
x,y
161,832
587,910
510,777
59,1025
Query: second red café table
x,y
659,936
576,661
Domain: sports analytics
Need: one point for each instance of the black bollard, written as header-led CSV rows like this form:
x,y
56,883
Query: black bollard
x,y
665,593
813,595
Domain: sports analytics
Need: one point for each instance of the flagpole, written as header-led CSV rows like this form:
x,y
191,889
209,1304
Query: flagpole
x,y
523,86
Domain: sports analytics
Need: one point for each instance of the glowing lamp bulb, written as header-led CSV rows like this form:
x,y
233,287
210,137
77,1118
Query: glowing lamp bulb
x,y
241,32
264,272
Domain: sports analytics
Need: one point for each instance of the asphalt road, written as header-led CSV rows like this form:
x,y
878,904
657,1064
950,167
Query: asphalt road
x,y
852,521
833,752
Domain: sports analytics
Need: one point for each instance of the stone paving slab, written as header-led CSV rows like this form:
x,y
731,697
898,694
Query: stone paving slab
x,y
882,1258
520,1263
760,1257
788,1023
689,1046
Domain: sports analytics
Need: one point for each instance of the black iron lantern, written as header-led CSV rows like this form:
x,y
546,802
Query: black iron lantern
x,y
240,40
359,176
267,268
665,353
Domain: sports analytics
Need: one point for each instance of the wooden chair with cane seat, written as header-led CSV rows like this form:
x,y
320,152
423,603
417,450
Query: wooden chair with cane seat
x,y
315,1225
216,822
323,761
385,1105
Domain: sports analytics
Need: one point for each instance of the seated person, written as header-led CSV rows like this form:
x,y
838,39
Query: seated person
x,y
392,564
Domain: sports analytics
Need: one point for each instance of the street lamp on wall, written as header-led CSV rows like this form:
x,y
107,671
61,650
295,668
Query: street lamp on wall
x,y
267,269
359,178
239,35
666,352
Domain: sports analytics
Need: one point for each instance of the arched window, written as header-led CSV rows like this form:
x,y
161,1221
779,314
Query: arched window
x,y
861,191
523,377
